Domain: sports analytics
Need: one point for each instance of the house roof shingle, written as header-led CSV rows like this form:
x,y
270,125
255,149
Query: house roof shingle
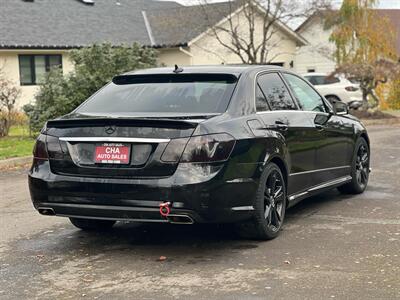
x,y
70,23
181,25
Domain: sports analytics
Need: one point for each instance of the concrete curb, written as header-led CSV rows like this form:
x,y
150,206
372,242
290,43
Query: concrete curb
x,y
14,162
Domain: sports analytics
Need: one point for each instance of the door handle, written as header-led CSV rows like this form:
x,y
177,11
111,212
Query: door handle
x,y
283,127
278,125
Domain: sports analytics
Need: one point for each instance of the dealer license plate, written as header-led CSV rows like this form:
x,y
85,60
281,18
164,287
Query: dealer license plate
x,y
112,154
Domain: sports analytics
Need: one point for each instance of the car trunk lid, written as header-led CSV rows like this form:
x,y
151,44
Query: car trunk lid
x,y
116,147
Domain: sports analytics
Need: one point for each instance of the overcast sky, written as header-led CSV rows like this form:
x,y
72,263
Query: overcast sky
x,y
382,4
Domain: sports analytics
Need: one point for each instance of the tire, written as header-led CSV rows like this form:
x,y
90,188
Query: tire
x,y
269,206
359,169
91,224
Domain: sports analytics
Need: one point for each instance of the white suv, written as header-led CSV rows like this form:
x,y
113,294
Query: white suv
x,y
336,88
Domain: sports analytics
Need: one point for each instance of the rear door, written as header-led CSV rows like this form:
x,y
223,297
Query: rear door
x,y
282,114
332,139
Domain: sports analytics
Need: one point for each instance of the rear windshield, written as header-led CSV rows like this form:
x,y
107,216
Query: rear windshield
x,y
170,93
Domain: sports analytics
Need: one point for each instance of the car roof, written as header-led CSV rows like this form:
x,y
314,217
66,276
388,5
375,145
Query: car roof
x,y
225,69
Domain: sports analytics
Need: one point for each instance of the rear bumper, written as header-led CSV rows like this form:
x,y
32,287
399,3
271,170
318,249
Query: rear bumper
x,y
203,193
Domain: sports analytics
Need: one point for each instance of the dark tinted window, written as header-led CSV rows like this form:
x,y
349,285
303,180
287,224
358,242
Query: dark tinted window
x,y
171,93
276,92
309,99
321,79
261,102
331,80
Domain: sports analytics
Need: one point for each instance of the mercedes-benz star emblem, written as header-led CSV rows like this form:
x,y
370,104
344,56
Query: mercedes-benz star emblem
x,y
109,129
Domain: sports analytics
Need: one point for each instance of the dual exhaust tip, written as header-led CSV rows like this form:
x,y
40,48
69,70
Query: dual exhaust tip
x,y
179,219
46,211
165,211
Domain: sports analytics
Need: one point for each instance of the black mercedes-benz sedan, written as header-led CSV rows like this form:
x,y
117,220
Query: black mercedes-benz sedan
x,y
225,144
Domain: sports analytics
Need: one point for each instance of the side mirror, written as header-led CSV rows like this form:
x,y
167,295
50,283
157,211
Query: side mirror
x,y
340,108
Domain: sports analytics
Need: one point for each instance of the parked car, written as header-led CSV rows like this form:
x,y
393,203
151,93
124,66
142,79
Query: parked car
x,y
336,88
237,144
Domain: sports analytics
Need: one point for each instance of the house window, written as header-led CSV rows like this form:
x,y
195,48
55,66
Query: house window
x,y
33,68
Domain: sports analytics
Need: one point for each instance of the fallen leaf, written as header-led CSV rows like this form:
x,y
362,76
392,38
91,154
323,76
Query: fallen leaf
x,y
162,258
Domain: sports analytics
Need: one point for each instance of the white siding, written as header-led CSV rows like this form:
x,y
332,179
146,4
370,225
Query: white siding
x,y
318,55
10,65
207,50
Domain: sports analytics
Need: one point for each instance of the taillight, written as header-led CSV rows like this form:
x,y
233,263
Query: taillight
x,y
174,149
54,148
202,148
208,148
40,151
351,88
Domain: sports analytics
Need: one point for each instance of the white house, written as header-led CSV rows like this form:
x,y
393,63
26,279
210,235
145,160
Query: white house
x,y
36,35
317,55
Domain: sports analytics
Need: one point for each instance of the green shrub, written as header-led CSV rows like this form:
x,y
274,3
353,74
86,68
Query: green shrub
x,y
94,67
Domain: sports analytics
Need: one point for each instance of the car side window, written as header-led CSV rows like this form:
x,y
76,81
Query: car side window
x,y
331,80
309,99
315,80
261,102
275,91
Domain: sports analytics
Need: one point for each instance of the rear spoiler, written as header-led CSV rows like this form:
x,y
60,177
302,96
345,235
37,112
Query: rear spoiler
x,y
141,122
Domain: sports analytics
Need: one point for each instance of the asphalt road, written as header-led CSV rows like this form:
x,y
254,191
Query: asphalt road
x,y
332,246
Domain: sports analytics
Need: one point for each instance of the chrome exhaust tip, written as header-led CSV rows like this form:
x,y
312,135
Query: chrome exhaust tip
x,y
46,211
180,219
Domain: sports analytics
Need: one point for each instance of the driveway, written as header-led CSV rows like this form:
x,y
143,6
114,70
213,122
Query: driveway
x,y
332,246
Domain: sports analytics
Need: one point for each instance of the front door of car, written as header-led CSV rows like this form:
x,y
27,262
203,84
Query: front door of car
x,y
281,114
332,148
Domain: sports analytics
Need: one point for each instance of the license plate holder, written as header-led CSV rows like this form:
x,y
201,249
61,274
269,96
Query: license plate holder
x,y
112,153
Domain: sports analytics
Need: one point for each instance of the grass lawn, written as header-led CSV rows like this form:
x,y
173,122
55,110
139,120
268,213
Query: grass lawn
x,y
17,144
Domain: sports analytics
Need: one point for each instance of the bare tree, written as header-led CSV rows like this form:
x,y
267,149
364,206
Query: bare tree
x,y
9,93
252,28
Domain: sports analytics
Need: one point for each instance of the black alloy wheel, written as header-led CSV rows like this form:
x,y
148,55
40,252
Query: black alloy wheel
x,y
269,206
274,200
362,166
359,169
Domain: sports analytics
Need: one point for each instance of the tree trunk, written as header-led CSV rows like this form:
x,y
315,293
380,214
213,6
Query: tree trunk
x,y
3,128
365,104
376,99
